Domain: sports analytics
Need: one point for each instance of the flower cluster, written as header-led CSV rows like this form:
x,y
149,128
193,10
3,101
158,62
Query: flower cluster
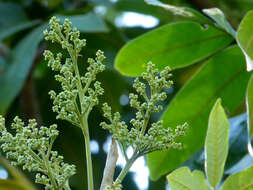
x,y
115,186
74,87
31,148
142,138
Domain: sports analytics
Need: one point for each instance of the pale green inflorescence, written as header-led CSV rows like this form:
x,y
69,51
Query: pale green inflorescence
x,y
142,139
115,186
79,92
31,148
73,85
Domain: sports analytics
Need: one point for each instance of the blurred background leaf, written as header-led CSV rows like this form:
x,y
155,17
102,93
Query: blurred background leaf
x,y
220,20
20,62
18,181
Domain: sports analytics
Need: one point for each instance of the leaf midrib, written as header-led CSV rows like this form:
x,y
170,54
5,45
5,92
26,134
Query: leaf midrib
x,y
171,49
215,153
178,182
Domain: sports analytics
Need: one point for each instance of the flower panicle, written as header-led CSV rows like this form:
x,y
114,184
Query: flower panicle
x,y
31,148
75,87
140,137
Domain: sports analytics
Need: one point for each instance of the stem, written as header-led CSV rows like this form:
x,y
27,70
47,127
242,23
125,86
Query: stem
x,y
66,186
49,173
124,171
79,84
123,150
50,147
85,131
146,119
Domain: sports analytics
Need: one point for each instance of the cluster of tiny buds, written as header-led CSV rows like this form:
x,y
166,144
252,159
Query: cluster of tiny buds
x,y
31,148
64,35
142,138
72,83
115,186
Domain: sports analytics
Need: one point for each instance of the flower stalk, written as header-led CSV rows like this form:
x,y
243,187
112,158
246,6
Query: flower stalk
x,y
79,92
88,155
31,147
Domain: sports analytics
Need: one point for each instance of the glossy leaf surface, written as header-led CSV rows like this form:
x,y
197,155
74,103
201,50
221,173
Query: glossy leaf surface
x,y
18,180
9,30
171,45
249,104
225,76
218,16
187,12
89,22
245,38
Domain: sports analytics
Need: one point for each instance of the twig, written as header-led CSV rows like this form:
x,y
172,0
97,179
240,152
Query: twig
x,y
110,165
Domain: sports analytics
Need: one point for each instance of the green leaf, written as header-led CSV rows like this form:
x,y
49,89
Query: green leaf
x,y
184,179
50,3
19,181
89,22
216,144
9,30
10,185
249,105
181,11
218,16
171,45
2,64
245,38
20,62
223,76
239,181
11,13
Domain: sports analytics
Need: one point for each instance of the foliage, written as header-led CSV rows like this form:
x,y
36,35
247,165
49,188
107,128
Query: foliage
x,y
216,150
249,105
141,139
211,43
31,147
200,45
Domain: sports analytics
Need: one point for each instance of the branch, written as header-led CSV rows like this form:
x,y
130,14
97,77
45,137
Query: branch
x,y
110,165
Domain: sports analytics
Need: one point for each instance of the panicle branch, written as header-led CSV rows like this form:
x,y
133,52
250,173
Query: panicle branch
x,y
31,148
139,136
79,93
